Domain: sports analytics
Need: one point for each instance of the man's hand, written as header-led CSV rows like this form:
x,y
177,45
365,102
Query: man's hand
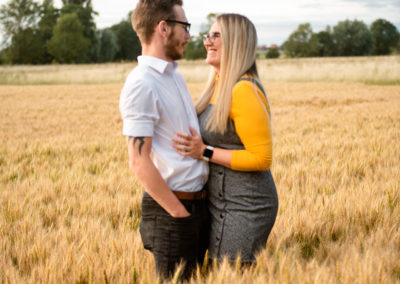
x,y
139,149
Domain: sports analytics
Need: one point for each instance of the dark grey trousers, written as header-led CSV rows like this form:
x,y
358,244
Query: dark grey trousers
x,y
175,240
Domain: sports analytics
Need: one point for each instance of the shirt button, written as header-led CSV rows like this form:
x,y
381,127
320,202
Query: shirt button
x,y
220,194
217,238
220,172
222,216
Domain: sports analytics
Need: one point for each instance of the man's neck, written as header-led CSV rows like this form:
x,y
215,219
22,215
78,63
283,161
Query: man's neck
x,y
155,51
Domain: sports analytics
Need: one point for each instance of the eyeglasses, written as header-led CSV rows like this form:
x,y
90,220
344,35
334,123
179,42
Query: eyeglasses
x,y
211,37
187,25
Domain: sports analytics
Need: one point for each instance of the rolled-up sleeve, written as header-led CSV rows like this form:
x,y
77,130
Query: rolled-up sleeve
x,y
138,107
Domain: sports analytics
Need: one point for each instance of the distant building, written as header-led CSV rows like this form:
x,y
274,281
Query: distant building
x,y
274,46
262,47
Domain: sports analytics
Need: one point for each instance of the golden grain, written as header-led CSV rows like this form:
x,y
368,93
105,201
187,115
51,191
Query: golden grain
x,y
69,205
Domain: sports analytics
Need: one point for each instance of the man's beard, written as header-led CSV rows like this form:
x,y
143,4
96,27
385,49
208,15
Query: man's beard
x,y
171,47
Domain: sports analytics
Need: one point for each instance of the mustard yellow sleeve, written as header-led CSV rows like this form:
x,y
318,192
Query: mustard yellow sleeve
x,y
253,127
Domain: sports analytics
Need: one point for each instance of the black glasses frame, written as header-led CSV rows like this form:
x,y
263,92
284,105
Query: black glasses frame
x,y
186,24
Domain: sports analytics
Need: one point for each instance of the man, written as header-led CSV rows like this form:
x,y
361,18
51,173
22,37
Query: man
x,y
155,104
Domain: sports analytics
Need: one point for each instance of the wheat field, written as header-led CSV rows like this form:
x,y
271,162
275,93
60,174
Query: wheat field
x,y
70,207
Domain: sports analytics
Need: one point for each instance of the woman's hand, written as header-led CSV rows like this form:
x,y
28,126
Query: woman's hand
x,y
189,145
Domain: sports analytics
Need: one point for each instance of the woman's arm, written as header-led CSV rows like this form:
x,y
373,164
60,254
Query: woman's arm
x,y
249,112
252,126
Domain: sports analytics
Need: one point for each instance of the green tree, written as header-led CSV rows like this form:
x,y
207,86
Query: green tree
x,y
108,45
48,19
397,49
327,45
128,41
352,38
385,37
84,10
68,44
19,19
25,48
77,2
298,43
2,57
195,48
18,15
272,52
314,46
322,44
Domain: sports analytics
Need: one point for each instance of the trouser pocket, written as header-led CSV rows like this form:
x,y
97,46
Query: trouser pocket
x,y
146,229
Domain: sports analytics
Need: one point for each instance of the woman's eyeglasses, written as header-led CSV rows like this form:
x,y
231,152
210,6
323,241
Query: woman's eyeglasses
x,y
211,37
187,25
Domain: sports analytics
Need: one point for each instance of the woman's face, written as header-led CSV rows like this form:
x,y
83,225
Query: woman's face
x,y
213,45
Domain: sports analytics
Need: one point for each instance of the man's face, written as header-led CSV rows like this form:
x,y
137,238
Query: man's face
x,y
179,37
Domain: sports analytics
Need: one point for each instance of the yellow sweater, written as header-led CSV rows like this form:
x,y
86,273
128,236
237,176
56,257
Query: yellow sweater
x,y
252,126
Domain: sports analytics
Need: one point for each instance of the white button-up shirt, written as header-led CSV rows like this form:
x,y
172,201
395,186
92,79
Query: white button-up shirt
x,y
155,102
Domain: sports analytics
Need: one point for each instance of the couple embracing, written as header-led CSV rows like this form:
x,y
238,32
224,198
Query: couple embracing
x,y
205,168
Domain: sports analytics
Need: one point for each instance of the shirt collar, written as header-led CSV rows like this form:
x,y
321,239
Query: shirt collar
x,y
160,65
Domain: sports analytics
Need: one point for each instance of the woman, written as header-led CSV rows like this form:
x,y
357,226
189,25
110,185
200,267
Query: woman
x,y
235,124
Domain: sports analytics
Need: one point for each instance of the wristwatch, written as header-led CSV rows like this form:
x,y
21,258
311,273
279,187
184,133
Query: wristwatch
x,y
208,152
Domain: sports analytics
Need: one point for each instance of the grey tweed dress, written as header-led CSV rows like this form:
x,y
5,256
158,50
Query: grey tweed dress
x,y
243,205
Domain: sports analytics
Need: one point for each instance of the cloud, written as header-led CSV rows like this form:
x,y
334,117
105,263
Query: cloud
x,y
375,3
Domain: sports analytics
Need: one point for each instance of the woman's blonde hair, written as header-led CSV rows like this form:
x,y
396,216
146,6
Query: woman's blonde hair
x,y
238,57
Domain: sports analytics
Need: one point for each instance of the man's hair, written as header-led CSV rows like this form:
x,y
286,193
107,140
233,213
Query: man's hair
x,y
148,13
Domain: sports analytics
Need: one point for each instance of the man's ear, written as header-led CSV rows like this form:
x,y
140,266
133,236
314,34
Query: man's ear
x,y
163,28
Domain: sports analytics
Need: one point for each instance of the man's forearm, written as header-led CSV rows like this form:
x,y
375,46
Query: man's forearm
x,y
156,187
150,177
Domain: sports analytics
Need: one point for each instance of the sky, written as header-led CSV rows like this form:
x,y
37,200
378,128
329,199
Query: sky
x,y
275,20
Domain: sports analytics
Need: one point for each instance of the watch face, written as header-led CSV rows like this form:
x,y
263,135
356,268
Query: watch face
x,y
208,153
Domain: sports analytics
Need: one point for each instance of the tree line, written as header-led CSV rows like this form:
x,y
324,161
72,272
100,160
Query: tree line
x,y
41,33
36,33
347,38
